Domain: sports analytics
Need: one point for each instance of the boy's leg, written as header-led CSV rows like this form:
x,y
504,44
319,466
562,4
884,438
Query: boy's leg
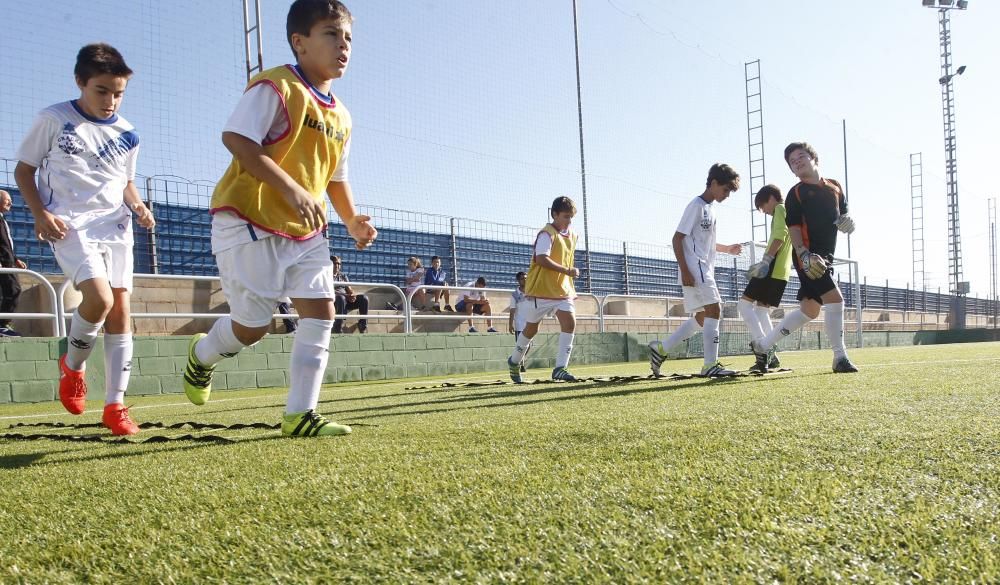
x,y
118,347
710,334
486,309
87,321
310,353
833,321
764,318
793,321
567,328
746,309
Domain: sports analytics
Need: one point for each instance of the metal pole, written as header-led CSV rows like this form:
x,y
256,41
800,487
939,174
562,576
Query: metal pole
x,y
454,251
843,125
625,266
153,259
583,166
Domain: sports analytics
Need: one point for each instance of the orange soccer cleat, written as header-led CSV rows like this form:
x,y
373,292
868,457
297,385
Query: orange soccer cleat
x,y
117,419
72,388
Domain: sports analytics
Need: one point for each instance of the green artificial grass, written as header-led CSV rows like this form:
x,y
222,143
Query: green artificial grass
x,y
888,475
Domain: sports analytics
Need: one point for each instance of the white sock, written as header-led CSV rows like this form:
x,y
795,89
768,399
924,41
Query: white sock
x,y
310,352
711,338
793,321
117,366
764,319
565,349
80,341
521,348
750,317
687,330
833,320
219,344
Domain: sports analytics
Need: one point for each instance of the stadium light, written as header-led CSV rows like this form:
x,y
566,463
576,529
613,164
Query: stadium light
x,y
946,78
946,4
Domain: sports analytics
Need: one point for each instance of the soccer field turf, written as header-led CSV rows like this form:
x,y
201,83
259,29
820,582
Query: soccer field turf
x,y
887,475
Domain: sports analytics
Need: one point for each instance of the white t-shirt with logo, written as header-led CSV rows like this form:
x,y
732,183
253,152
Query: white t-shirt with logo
x,y
84,164
471,292
698,226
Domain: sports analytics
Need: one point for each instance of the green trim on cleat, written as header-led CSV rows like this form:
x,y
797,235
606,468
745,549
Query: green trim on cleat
x,y
197,377
655,357
311,424
515,371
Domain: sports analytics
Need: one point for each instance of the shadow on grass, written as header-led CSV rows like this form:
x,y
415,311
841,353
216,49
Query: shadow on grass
x,y
35,459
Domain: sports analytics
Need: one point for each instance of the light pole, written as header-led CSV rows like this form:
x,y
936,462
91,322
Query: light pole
x,y
958,287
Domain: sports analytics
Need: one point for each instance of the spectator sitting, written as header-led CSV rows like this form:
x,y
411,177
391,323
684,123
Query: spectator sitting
x,y
284,307
346,300
10,288
473,301
415,278
436,276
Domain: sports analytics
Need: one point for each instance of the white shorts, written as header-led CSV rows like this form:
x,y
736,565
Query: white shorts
x,y
256,275
535,309
696,297
103,251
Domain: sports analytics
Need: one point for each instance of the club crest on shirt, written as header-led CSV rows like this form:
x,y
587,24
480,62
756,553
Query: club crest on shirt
x,y
69,141
706,220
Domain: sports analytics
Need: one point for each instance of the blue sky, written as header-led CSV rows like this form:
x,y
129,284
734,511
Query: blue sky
x,y
468,108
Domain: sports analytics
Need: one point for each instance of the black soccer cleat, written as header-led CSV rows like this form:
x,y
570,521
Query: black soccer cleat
x,y
844,366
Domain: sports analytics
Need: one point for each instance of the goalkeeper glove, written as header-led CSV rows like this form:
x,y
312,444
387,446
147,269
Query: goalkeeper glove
x,y
759,270
845,224
812,264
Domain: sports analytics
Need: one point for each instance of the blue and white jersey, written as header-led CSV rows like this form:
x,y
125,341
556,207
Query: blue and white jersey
x,y
84,164
698,226
517,300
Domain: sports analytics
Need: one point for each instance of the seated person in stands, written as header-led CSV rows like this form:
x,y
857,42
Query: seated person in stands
x,y
473,301
345,300
415,278
436,276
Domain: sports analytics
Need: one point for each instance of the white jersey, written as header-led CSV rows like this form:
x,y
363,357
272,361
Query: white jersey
x,y
471,292
84,164
517,299
698,226
259,115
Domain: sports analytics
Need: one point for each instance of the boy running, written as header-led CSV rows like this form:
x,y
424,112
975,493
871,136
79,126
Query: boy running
x,y
83,203
768,277
549,288
290,139
695,248
816,210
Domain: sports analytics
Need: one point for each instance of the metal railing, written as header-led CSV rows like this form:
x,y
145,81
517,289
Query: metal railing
x,y
57,329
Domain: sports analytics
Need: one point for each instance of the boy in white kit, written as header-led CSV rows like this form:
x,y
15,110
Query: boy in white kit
x,y
695,247
290,138
82,204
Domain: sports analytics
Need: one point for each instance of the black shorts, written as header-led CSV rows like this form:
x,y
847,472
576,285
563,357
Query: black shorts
x,y
476,309
814,289
766,291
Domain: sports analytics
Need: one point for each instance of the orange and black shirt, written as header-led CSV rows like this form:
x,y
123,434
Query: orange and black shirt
x,y
815,209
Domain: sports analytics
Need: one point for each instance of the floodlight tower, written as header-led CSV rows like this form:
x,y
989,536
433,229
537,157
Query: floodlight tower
x,y
958,288
252,38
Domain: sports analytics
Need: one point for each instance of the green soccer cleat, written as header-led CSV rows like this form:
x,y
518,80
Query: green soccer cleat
x,y
515,372
197,377
311,424
563,375
655,358
716,370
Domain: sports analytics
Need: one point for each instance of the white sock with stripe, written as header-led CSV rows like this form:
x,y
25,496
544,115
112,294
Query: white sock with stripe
x,y
687,330
219,344
80,341
793,321
565,350
310,352
833,322
521,348
711,339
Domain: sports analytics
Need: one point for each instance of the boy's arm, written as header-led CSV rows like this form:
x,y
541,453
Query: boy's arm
x,y
143,215
47,226
262,167
358,226
779,232
678,243
734,249
546,262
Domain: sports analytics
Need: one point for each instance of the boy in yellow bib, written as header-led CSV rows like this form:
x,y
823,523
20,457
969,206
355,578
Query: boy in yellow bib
x,y
290,139
549,289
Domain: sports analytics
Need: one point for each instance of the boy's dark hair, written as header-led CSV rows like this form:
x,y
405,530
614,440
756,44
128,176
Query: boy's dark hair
x,y
804,146
723,174
433,258
98,59
334,258
481,281
766,193
520,274
303,14
561,204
